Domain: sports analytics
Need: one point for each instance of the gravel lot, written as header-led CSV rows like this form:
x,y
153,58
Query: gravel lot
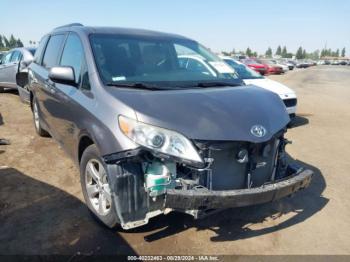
x,y
42,209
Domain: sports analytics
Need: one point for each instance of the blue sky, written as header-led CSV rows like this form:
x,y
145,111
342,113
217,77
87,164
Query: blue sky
x,y
219,25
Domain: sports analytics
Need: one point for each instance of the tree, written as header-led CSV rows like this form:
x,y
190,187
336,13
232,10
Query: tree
x,y
19,43
299,54
268,52
1,43
279,50
315,55
6,42
12,41
248,52
343,52
304,54
337,53
284,51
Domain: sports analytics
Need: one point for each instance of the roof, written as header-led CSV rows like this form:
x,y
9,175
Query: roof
x,y
117,31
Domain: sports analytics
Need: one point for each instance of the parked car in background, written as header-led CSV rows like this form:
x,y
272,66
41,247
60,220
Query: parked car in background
x,y
196,64
285,68
12,63
271,67
150,136
1,54
335,62
302,64
239,57
251,77
256,66
287,63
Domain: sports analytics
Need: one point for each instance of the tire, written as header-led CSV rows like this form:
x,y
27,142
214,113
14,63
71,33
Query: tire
x,y
95,187
36,119
2,89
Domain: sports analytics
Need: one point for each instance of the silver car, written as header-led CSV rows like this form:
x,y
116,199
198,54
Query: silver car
x,y
13,62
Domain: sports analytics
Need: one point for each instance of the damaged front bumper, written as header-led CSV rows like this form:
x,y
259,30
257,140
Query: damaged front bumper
x,y
135,207
202,199
236,174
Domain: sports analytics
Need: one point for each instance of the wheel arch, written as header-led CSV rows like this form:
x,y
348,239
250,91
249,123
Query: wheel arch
x,y
85,140
31,97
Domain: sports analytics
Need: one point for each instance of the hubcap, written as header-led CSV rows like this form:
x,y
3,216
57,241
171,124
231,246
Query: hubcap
x,y
36,116
97,187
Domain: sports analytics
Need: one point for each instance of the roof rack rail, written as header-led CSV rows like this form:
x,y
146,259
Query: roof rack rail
x,y
69,25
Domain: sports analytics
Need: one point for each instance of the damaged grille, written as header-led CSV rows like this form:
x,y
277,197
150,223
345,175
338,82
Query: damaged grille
x,y
238,165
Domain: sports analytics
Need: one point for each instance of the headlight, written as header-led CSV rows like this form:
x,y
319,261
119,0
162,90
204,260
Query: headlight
x,y
159,139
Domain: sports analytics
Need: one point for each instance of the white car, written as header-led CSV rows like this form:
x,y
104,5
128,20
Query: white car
x,y
249,76
285,67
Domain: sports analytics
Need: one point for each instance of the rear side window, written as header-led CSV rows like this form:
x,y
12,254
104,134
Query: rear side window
x,y
16,56
73,55
40,50
52,51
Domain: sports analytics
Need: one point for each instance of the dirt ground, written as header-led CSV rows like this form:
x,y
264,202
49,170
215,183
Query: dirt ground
x,y
42,209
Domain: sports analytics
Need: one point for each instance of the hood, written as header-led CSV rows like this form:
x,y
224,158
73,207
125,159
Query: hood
x,y
225,113
271,85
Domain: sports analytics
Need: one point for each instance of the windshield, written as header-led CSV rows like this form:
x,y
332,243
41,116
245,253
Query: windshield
x,y
243,71
176,62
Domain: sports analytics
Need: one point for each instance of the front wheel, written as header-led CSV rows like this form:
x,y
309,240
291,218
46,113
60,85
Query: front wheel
x,y
95,186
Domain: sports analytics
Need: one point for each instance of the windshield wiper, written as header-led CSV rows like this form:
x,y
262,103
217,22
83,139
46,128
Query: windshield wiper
x,y
138,85
214,83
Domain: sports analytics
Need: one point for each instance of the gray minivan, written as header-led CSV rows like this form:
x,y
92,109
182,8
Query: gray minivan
x,y
151,135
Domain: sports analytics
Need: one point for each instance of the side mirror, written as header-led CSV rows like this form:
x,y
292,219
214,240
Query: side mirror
x,y
62,75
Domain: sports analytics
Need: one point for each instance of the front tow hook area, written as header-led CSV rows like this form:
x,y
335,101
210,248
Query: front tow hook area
x,y
206,199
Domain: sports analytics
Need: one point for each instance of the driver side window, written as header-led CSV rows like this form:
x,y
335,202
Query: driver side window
x,y
73,55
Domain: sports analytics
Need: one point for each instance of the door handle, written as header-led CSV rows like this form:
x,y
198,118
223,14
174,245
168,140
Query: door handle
x,y
49,85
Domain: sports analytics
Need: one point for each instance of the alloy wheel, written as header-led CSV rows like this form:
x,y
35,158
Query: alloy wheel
x,y
97,187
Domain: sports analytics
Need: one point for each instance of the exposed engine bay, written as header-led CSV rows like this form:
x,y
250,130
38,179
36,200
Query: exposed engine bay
x,y
229,165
